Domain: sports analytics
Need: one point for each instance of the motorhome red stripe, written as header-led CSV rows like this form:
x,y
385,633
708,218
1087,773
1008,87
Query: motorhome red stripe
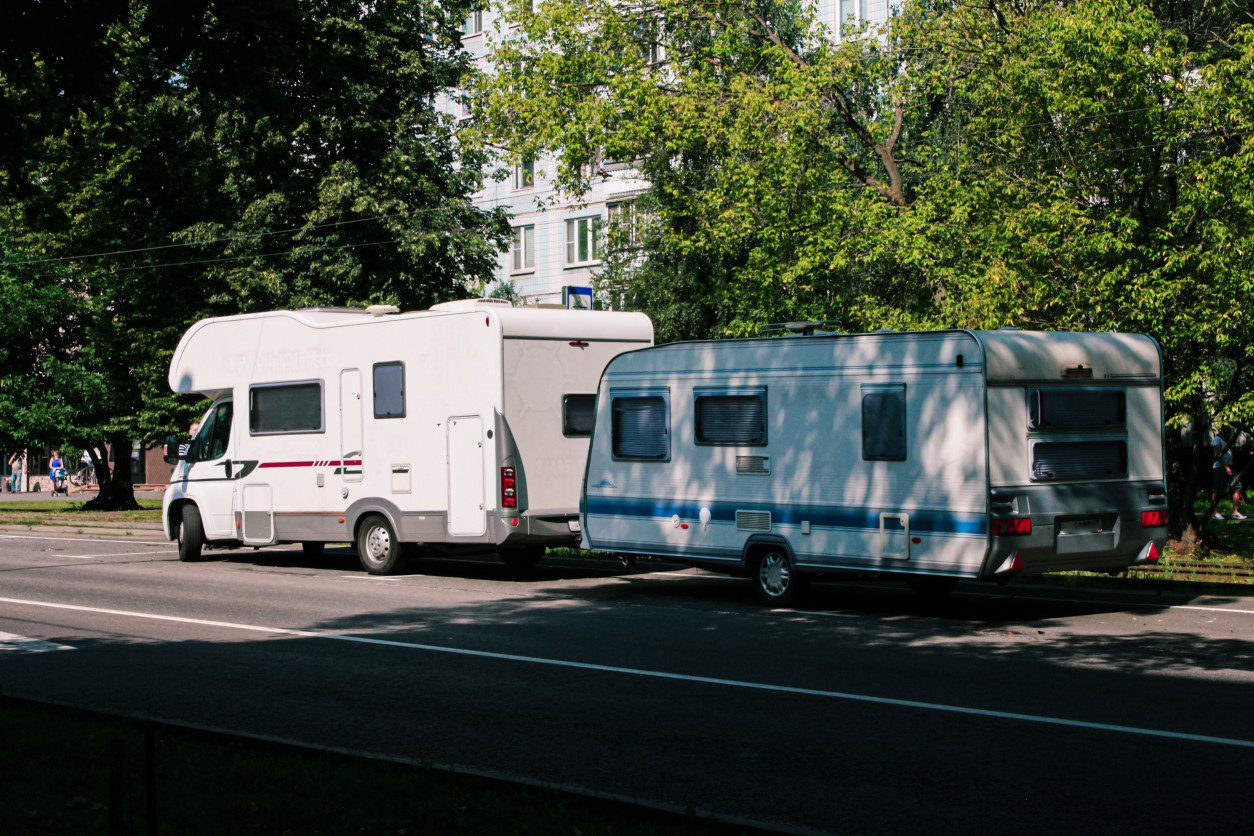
x,y
319,463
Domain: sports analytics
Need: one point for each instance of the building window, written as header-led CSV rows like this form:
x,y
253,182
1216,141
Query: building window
x,y
640,428
884,423
277,408
732,419
583,240
852,13
389,390
473,24
623,223
578,415
525,174
523,249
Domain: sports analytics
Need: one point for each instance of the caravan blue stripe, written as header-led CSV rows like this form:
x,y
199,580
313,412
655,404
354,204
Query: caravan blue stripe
x,y
829,516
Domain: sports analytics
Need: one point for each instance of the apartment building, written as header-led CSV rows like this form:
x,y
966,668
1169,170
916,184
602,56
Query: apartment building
x,y
558,242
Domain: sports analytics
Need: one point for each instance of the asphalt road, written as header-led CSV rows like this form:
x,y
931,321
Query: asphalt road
x,y
1025,710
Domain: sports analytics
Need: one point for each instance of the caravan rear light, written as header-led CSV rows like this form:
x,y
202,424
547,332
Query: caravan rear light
x,y
1153,519
1012,527
509,491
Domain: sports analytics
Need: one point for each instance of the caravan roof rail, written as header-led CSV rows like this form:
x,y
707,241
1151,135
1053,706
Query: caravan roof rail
x,y
801,329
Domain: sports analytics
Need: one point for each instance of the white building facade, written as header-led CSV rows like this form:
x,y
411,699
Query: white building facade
x,y
558,242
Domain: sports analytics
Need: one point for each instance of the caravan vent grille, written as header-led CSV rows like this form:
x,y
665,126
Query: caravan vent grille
x,y
753,464
753,520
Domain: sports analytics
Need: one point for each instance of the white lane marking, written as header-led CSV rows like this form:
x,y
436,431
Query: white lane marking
x,y
111,554
824,613
673,575
86,539
654,674
1101,603
373,578
13,643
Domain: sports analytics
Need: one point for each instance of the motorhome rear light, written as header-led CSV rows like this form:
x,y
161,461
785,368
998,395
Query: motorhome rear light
x,y
1153,519
514,522
509,493
1012,527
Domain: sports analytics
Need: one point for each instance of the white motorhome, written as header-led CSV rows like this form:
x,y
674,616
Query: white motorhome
x,y
936,456
464,427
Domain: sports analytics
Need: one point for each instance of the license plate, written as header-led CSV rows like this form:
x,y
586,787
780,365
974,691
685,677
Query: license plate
x,y
574,526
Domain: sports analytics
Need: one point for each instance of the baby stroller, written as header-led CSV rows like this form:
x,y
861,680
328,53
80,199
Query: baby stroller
x,y
60,481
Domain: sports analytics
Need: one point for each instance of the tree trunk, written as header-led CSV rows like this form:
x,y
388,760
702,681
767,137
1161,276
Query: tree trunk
x,y
116,491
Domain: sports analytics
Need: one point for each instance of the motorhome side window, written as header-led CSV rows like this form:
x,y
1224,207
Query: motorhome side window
x,y
389,390
732,418
578,415
285,408
884,423
640,428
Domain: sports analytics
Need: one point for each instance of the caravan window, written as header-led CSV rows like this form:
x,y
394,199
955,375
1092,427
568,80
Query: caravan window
x,y
276,408
578,415
1054,409
389,390
884,423
1105,459
641,428
732,418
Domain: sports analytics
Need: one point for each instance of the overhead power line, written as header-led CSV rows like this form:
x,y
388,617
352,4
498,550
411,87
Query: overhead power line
x,y
243,236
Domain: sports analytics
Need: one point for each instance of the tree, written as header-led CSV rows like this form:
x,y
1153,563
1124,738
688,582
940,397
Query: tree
x,y
230,158
1044,165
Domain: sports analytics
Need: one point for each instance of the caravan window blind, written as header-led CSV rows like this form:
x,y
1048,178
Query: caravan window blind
x,y
738,420
640,428
1056,409
578,415
1054,460
275,408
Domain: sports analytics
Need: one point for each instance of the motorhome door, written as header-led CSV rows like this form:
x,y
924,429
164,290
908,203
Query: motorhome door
x,y
466,494
352,463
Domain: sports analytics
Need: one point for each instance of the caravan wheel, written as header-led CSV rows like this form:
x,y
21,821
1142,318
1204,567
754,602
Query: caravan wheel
x,y
377,547
776,582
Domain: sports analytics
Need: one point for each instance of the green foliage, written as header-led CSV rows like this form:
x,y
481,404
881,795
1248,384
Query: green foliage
x,y
1050,166
241,157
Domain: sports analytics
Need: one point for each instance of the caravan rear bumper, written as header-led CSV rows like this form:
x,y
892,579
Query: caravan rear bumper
x,y
1076,527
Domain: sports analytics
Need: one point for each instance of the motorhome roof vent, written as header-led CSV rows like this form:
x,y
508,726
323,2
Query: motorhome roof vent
x,y
382,310
471,304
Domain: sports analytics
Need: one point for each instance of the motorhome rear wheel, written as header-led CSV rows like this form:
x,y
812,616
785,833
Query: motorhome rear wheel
x,y
377,546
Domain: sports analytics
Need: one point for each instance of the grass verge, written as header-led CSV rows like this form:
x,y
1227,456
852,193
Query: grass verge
x,y
55,778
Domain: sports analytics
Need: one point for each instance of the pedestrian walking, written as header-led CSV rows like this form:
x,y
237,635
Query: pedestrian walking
x,y
17,465
1222,471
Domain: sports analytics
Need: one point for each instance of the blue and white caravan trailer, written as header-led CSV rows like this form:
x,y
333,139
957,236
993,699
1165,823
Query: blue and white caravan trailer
x,y
935,456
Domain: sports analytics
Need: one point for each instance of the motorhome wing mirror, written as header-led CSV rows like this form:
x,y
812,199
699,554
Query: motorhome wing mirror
x,y
175,450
